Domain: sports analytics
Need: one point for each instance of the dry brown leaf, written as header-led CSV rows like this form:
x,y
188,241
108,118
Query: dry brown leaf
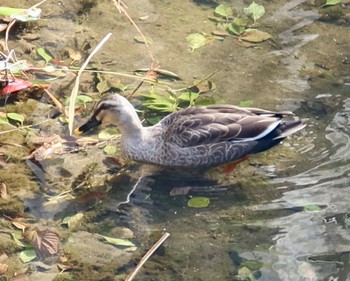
x,y
20,225
75,55
31,36
45,241
3,257
255,36
64,267
3,268
3,191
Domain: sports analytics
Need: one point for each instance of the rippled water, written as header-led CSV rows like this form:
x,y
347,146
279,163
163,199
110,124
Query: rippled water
x,y
283,215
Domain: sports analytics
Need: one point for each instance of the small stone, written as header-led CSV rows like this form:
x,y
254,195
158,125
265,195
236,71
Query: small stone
x,y
122,232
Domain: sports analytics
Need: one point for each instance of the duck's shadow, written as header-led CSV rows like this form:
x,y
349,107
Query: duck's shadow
x,y
171,188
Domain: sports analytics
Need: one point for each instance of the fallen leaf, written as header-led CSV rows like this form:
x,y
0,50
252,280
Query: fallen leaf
x,y
3,191
143,40
20,225
31,36
75,55
196,40
223,10
255,36
27,255
64,267
3,257
3,268
73,221
331,3
118,241
218,32
255,11
198,202
15,86
45,241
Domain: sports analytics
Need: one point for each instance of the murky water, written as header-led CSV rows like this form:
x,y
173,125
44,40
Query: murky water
x,y
282,215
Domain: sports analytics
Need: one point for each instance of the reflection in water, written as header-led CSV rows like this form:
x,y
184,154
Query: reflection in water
x,y
316,244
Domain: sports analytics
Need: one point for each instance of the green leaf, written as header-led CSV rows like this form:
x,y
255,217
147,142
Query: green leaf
x,y
312,208
332,2
223,11
108,133
188,96
3,120
198,202
255,36
238,25
42,52
16,117
118,241
246,103
27,255
20,14
73,221
196,40
80,100
255,11
244,273
110,149
140,39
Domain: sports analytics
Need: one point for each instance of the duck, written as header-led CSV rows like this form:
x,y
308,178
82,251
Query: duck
x,y
198,136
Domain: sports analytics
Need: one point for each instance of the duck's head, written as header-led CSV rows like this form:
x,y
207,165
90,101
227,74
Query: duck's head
x,y
114,109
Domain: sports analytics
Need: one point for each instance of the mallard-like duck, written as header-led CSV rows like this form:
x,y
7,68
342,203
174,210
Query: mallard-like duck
x,y
205,136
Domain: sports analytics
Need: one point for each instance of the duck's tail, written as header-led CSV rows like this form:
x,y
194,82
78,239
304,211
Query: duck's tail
x,y
288,128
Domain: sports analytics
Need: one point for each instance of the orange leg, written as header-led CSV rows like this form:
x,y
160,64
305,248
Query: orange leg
x,y
229,167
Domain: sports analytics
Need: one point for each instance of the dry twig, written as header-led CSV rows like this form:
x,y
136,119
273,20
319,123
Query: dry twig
x,y
147,256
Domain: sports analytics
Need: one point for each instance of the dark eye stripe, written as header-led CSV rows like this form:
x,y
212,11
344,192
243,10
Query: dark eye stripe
x,y
105,105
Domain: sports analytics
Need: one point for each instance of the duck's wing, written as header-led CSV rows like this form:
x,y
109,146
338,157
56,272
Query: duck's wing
x,y
213,124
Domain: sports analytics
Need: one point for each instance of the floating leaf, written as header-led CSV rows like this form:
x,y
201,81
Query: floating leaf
x,y
332,2
312,208
42,52
223,11
140,39
110,150
198,202
255,35
20,14
188,96
119,242
27,255
196,40
16,117
255,11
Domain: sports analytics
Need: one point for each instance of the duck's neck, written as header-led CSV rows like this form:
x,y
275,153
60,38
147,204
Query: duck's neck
x,y
129,122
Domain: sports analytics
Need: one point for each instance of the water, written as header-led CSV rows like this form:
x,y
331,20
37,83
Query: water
x,y
282,215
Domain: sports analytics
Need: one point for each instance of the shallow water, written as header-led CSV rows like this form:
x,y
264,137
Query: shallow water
x,y
282,215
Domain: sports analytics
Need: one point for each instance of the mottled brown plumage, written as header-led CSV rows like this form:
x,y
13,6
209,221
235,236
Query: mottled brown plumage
x,y
194,137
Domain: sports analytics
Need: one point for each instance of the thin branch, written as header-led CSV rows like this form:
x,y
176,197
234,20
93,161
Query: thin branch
x,y
122,9
147,256
75,90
